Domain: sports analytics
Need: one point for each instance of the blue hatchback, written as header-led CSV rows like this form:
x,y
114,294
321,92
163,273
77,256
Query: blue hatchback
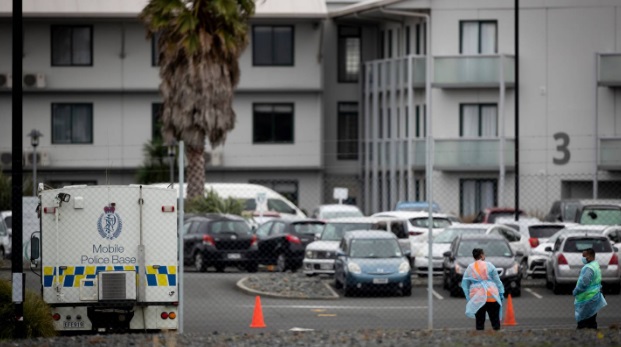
x,y
371,260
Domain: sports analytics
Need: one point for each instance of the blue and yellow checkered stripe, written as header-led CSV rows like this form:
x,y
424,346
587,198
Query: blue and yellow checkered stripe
x,y
70,276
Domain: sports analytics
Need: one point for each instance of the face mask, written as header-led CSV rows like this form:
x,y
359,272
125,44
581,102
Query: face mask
x,y
584,260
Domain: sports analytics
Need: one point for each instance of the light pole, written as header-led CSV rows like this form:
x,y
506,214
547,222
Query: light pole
x,y
34,141
172,145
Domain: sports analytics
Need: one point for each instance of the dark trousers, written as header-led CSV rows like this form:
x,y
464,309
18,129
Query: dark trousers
x,y
589,323
493,310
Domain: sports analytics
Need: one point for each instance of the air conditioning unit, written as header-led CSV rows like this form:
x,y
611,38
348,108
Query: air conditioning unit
x,y
43,158
6,160
213,158
34,80
6,80
117,285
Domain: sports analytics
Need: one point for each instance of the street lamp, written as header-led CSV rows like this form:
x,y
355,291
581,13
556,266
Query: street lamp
x,y
34,141
172,145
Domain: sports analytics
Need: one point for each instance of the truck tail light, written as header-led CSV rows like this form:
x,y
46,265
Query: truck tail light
x,y
293,239
164,315
614,260
168,208
56,317
562,260
534,242
208,240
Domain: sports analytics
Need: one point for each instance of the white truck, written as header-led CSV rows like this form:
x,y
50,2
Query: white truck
x,y
109,257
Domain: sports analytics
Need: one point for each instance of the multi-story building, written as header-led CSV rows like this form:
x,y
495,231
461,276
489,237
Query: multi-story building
x,y
345,82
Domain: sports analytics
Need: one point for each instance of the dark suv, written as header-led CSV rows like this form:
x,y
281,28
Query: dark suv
x,y
219,241
283,242
497,251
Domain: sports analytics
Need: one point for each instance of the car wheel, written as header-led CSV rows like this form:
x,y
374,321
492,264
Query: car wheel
x,y
347,290
252,267
524,268
406,290
2,254
517,292
444,282
199,262
549,284
337,283
281,263
220,267
557,288
614,289
310,275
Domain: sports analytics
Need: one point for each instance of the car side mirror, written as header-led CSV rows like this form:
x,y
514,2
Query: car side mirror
x,y
407,253
548,249
35,248
519,254
616,249
448,254
340,253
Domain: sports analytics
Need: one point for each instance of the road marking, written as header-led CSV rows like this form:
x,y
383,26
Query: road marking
x,y
318,310
326,315
436,294
301,329
340,307
533,293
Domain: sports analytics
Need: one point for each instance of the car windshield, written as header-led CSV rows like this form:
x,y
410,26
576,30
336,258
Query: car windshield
x,y
374,248
601,216
335,231
448,235
491,248
8,221
577,245
341,213
543,231
308,228
423,222
237,227
276,205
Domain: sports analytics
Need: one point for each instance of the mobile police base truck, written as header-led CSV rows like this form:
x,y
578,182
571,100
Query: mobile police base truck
x,y
109,257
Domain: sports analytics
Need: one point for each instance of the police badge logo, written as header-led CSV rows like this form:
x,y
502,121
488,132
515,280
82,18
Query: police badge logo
x,y
109,223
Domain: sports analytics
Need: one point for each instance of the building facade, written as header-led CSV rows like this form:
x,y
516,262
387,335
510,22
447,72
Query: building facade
x,y
334,93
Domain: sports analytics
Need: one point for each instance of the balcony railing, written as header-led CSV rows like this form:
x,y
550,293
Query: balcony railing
x,y
385,74
609,71
609,154
473,71
480,154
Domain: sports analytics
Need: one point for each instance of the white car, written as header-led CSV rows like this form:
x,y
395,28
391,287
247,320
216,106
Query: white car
x,y
419,221
320,255
5,234
327,212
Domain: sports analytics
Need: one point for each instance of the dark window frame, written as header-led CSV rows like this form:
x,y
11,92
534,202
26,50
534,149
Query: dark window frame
x,y
480,22
408,38
274,104
254,46
92,56
73,104
343,155
480,125
390,44
478,182
342,53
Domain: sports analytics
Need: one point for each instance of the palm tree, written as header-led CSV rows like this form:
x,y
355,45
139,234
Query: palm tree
x,y
199,44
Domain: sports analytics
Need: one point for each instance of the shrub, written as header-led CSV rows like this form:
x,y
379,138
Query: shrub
x,y
37,315
213,203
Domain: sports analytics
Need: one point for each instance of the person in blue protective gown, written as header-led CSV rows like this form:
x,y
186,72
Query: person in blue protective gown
x,y
483,290
588,295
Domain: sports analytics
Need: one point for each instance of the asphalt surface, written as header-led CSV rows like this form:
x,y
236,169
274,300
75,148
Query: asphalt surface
x,y
213,303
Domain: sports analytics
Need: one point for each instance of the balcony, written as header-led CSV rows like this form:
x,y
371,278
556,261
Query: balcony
x,y
400,154
609,154
473,71
480,154
609,70
388,74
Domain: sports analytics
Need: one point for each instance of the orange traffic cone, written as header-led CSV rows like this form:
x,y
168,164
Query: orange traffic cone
x,y
509,314
257,317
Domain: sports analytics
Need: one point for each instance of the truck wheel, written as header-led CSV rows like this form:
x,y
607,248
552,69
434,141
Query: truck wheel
x,y
199,262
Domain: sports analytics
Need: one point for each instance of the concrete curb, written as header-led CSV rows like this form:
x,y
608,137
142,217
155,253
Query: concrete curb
x,y
240,285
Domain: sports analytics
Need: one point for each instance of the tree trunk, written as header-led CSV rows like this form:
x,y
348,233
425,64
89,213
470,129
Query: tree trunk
x,y
195,172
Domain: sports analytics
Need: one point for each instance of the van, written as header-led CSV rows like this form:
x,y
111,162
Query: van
x,y
276,205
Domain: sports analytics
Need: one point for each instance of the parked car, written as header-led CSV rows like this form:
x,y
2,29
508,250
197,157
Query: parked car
x,y
283,242
371,260
327,212
564,263
320,255
497,251
599,212
416,206
489,215
419,221
397,226
219,241
563,211
5,236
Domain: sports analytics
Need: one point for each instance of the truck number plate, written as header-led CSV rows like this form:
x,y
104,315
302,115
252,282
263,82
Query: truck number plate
x,y
73,324
326,266
234,256
380,280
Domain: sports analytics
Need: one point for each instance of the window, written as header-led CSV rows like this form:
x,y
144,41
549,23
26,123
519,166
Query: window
x,y
408,43
349,54
72,123
286,188
278,229
478,37
382,51
478,120
272,123
421,38
264,229
390,53
156,120
476,195
347,141
272,45
421,121
155,53
72,45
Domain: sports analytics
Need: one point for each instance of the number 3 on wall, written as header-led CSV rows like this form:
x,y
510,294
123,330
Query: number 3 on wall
x,y
563,147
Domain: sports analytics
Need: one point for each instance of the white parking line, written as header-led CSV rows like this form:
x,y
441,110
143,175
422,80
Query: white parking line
x,y
533,293
341,307
436,294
